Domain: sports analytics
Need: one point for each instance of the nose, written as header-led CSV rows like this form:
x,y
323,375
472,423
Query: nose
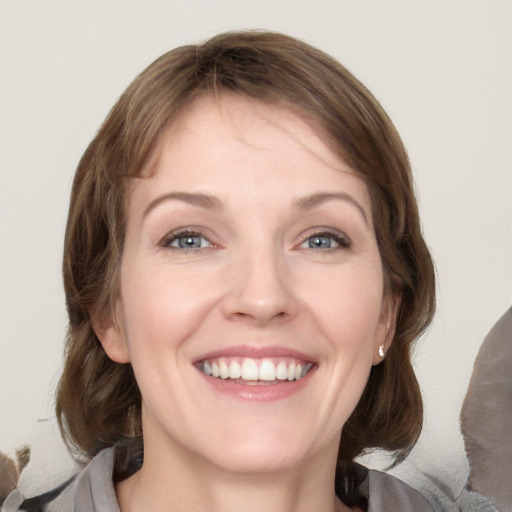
x,y
260,289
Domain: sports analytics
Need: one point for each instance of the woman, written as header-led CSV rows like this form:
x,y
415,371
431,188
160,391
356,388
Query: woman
x,y
245,275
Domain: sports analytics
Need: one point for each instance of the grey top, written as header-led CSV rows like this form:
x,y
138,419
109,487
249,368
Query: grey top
x,y
95,490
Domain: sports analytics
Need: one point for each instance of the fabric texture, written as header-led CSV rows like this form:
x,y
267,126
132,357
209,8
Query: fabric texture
x,y
486,417
95,490
442,500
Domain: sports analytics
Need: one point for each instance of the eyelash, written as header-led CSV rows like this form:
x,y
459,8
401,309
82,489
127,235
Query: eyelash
x,y
341,239
184,233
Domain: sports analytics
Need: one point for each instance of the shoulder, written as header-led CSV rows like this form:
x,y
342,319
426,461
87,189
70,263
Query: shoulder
x,y
389,494
94,490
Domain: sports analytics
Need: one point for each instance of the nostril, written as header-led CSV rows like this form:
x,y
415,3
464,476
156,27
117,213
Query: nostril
x,y
259,317
259,297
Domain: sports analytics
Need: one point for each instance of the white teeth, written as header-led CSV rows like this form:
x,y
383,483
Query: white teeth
x,y
267,370
249,370
291,371
254,370
235,372
223,369
281,371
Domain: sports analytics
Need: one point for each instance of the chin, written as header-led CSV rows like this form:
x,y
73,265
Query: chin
x,y
257,459
263,450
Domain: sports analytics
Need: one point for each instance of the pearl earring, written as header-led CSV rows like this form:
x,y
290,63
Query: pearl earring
x,y
381,351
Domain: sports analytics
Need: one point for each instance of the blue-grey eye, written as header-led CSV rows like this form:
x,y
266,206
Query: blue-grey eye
x,y
185,239
325,241
320,242
190,242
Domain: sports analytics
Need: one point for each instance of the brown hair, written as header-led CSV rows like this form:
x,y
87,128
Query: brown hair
x,y
98,401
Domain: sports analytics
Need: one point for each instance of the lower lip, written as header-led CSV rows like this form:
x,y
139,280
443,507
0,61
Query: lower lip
x,y
258,392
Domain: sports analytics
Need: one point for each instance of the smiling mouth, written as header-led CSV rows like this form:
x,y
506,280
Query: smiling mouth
x,y
252,371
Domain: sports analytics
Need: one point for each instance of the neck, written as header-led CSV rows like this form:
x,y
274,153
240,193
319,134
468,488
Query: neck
x,y
180,482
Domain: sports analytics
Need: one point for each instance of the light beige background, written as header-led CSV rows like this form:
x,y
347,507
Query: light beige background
x,y
443,71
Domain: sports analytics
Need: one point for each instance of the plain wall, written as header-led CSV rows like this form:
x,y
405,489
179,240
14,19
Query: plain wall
x,y
442,70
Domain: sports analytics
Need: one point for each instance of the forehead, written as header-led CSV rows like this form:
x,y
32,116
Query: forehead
x,y
257,123
230,139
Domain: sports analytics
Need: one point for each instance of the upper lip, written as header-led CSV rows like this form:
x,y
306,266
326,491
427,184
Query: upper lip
x,y
255,352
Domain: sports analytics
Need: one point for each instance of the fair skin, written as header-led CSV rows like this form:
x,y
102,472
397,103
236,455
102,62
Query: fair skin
x,y
251,307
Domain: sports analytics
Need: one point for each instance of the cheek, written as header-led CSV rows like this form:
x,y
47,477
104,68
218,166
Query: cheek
x,y
162,309
347,305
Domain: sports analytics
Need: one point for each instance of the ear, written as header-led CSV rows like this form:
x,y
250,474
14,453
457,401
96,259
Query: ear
x,y
109,329
387,326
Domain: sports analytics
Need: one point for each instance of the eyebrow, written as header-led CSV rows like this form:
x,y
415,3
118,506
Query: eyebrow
x,y
313,200
206,201
211,202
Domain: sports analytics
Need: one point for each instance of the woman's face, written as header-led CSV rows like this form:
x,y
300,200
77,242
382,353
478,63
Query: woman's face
x,y
251,289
